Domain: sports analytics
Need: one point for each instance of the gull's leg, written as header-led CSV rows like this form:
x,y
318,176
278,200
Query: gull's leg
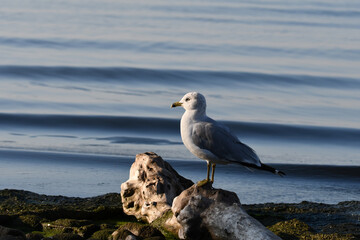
x,y
205,181
213,172
208,171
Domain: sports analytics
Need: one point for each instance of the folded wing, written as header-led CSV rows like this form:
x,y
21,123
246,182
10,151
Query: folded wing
x,y
222,143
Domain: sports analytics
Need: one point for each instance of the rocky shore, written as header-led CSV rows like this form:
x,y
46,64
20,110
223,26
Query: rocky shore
x,y
37,216
27,215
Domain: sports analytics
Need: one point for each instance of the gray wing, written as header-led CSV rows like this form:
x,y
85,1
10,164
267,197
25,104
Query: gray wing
x,y
218,140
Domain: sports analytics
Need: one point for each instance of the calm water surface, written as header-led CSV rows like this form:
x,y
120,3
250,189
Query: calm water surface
x,y
86,85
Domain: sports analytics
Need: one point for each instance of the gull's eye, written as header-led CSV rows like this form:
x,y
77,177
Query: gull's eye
x,y
187,99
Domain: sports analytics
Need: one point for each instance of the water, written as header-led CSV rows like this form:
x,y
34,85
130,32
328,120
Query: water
x,y
86,85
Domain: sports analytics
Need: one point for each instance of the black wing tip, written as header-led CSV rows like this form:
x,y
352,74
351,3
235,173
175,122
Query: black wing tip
x,y
280,173
266,168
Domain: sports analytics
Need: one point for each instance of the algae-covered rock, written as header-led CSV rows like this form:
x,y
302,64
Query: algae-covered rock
x,y
150,232
154,238
165,226
31,221
83,228
67,236
86,231
138,230
19,202
103,234
345,228
22,210
295,230
5,219
65,224
104,226
70,223
34,236
290,229
11,234
337,221
122,234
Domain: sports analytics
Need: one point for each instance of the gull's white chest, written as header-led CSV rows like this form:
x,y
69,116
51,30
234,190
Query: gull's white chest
x,y
186,129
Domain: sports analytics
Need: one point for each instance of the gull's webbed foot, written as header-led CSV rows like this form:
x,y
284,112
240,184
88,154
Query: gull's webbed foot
x,y
207,180
203,182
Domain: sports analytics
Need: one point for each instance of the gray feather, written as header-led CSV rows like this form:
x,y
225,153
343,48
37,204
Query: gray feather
x,y
218,140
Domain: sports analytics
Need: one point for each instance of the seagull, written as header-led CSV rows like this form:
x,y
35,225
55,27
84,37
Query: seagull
x,y
213,141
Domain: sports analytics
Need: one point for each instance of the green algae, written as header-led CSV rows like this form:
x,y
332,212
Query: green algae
x,y
103,234
160,223
295,229
143,231
98,217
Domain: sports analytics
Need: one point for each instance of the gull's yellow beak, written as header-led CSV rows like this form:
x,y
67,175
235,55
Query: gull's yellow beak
x,y
176,104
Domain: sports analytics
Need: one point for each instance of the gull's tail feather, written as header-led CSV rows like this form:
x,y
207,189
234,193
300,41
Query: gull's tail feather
x,y
266,168
271,169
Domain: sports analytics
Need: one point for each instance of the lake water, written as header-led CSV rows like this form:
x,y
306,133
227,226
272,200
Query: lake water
x,y
86,85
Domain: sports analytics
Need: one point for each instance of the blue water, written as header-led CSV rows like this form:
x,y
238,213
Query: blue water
x,y
86,85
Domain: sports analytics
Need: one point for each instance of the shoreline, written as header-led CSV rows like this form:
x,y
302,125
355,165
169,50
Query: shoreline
x,y
60,173
30,212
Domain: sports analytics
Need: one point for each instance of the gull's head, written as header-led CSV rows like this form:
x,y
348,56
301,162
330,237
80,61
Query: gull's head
x,y
192,101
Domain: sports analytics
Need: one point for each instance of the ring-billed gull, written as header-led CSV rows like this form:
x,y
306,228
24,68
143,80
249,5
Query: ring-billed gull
x,y
212,141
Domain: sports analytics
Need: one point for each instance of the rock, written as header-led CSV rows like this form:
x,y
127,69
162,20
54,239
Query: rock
x,y
344,228
5,219
103,234
104,226
31,221
87,231
291,227
296,229
151,188
198,212
136,231
34,236
67,236
83,228
207,213
66,222
154,238
131,237
11,234
121,234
